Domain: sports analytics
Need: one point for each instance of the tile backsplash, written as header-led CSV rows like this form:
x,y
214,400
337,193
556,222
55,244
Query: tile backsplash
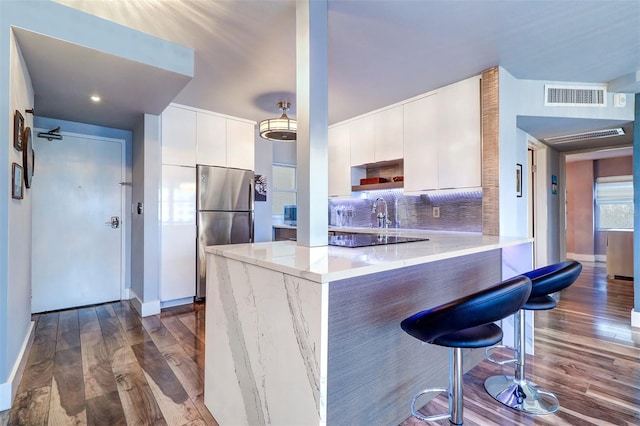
x,y
459,211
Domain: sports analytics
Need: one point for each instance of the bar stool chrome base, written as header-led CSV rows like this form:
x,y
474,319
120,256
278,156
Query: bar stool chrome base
x,y
433,417
521,395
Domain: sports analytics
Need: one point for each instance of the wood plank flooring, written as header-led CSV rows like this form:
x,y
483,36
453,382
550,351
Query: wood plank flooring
x,y
586,353
104,365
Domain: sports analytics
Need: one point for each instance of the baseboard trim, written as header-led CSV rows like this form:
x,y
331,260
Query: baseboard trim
x,y
176,302
582,257
635,318
601,258
9,389
144,309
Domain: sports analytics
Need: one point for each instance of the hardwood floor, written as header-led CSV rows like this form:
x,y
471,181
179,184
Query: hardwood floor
x,y
586,353
104,365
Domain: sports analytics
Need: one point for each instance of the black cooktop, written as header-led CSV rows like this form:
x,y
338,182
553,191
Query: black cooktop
x,y
365,240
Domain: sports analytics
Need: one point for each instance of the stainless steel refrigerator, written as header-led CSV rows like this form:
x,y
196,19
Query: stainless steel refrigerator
x,y
224,206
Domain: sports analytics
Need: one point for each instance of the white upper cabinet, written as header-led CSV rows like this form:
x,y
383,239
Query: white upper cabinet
x,y
421,144
240,144
460,148
388,134
211,140
191,136
338,149
362,143
178,136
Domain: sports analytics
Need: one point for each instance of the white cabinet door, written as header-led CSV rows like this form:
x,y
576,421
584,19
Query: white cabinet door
x,y
460,150
240,144
178,233
339,148
178,136
388,134
421,144
211,146
362,143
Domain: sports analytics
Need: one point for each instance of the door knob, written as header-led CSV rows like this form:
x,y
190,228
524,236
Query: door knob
x,y
114,222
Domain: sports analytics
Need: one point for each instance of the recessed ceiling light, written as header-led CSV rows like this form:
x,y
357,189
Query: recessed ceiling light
x,y
95,98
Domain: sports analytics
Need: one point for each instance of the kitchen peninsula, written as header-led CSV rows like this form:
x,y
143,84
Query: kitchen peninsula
x,y
311,336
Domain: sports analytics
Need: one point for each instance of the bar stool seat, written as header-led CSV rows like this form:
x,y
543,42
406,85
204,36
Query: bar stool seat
x,y
516,391
465,323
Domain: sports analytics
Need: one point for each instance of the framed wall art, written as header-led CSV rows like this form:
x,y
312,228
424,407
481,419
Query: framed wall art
x,y
260,185
16,180
518,180
18,129
27,156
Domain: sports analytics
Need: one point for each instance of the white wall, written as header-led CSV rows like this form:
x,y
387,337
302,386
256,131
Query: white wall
x,y
530,102
513,150
145,230
15,224
137,221
264,166
54,20
520,98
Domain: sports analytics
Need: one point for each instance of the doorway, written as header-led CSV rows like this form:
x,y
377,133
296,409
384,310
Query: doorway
x,y
77,242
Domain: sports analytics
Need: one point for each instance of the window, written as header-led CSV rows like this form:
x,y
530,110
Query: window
x,y
614,202
284,187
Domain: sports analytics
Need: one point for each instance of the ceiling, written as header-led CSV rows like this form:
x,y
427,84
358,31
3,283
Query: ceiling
x,y
64,76
380,51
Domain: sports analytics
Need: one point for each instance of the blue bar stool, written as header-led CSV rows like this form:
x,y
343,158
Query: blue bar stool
x,y
465,323
516,391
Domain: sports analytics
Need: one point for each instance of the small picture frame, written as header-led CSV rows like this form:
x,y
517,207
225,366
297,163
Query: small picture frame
x,y
18,129
260,185
518,180
16,180
27,157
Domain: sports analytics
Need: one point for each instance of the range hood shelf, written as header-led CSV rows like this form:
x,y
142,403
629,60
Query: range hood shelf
x,y
377,186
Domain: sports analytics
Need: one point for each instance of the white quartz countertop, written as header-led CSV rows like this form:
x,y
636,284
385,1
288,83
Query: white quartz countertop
x,y
329,263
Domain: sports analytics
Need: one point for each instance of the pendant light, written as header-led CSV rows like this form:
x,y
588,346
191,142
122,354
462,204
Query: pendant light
x,y
282,129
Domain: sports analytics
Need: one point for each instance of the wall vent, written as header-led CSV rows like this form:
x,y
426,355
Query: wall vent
x,y
577,137
557,95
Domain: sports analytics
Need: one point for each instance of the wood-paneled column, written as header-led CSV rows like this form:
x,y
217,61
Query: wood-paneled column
x,y
490,152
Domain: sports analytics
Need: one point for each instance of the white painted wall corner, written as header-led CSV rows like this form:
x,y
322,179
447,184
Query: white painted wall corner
x,y
635,319
9,389
144,309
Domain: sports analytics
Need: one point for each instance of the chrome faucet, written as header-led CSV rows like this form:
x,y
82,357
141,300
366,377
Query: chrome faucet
x,y
383,218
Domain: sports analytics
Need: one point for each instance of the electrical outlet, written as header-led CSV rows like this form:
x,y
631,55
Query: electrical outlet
x,y
436,212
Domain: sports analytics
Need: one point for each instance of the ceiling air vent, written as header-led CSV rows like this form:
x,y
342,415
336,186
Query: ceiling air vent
x,y
577,137
556,95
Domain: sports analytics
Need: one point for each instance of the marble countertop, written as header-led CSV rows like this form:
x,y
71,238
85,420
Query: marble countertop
x,y
329,263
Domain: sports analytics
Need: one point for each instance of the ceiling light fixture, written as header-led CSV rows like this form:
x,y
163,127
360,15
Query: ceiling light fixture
x,y
279,129
95,98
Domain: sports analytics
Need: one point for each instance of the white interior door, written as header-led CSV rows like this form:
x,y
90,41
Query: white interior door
x,y
77,244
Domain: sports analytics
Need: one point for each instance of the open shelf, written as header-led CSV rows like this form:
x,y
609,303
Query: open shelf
x,y
377,186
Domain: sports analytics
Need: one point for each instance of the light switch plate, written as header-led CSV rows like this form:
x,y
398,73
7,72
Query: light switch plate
x,y
436,212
